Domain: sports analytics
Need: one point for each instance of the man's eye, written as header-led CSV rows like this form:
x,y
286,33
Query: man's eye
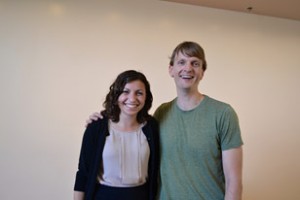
x,y
181,62
196,64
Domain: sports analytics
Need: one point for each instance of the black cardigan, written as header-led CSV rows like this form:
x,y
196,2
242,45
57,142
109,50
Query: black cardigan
x,y
91,157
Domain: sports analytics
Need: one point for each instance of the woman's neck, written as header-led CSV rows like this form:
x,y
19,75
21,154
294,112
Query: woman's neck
x,y
126,124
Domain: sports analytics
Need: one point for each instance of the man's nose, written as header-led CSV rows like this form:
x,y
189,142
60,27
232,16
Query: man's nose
x,y
188,66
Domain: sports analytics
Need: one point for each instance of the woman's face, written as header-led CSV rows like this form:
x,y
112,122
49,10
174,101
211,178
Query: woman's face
x,y
132,99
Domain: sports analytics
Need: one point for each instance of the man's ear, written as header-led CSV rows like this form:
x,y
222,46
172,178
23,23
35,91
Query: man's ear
x,y
202,75
171,70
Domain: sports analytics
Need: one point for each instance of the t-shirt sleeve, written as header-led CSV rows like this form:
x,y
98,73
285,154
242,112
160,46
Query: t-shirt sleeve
x,y
230,133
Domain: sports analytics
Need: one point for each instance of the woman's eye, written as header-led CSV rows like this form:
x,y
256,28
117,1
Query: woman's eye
x,y
140,93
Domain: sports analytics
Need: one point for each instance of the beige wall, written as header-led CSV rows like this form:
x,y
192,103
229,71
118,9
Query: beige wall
x,y
57,59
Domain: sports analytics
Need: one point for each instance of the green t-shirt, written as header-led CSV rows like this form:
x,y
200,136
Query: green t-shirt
x,y
191,149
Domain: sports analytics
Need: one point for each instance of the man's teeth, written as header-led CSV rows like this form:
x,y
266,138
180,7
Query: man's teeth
x,y
186,76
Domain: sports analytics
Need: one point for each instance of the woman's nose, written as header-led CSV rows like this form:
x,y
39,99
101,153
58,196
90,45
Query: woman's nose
x,y
132,96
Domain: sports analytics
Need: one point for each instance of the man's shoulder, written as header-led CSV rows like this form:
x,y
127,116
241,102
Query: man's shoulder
x,y
222,108
163,109
166,105
215,103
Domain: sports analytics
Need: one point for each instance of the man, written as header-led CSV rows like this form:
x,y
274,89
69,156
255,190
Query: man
x,y
201,144
201,153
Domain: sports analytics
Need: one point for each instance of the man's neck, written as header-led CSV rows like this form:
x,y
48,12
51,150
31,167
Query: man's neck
x,y
189,101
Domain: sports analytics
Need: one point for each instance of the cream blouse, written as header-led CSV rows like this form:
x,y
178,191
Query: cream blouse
x,y
125,158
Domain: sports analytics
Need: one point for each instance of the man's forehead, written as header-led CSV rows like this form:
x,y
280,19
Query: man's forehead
x,y
181,55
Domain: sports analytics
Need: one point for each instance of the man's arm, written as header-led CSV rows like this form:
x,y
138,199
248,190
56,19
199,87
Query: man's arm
x,y
93,117
232,166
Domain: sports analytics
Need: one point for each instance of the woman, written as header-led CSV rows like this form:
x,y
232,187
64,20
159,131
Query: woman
x,y
119,153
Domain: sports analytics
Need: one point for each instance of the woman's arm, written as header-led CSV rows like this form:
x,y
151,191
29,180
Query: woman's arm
x,y
78,195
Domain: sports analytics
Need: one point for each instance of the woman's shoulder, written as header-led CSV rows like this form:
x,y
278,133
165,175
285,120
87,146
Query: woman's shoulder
x,y
152,120
151,124
95,126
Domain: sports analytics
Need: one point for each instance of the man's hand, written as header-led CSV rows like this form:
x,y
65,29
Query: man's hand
x,y
93,117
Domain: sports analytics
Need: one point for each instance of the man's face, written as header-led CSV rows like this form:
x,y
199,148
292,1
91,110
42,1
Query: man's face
x,y
186,71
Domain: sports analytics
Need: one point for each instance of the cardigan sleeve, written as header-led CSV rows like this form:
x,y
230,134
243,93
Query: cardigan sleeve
x,y
153,132
88,149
